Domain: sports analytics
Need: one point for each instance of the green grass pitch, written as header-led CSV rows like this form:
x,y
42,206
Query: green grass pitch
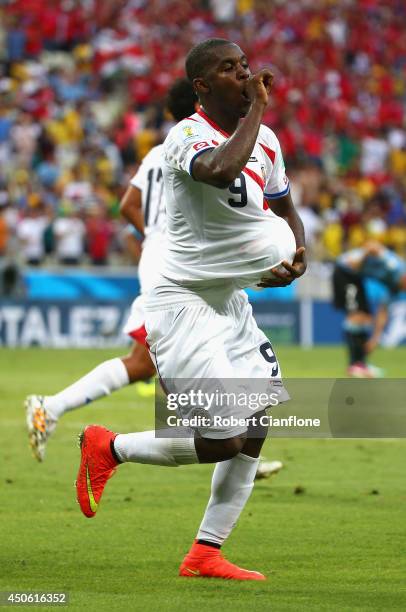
x,y
336,544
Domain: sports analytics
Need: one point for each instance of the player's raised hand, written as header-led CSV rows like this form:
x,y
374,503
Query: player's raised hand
x,y
293,271
259,86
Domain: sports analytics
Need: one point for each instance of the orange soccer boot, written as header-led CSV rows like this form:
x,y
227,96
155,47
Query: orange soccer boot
x,y
97,465
203,561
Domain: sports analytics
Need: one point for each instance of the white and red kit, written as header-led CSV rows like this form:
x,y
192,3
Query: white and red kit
x,y
149,181
223,233
200,326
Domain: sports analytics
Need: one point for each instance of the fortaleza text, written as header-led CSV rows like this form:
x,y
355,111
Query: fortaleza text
x,y
265,420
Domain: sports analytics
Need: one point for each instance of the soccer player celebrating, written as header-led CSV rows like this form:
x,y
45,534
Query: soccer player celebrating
x,y
143,205
231,224
362,330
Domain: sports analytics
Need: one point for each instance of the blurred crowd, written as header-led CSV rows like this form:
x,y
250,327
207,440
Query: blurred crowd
x,y
82,88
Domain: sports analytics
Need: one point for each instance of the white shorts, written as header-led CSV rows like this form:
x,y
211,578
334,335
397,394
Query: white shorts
x,y
211,337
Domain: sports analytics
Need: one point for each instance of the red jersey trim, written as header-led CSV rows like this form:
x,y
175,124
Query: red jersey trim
x,y
212,123
247,171
254,177
271,154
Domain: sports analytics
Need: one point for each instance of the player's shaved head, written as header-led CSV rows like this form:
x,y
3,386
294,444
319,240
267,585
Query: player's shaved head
x,y
181,99
198,60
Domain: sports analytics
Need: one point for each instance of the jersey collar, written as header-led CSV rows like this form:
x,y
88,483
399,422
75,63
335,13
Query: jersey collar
x,y
212,123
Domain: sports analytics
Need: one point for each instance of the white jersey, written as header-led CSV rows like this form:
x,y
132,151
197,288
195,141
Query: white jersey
x,y
223,233
148,180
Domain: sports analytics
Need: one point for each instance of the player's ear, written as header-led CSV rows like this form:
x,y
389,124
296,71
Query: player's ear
x,y
200,85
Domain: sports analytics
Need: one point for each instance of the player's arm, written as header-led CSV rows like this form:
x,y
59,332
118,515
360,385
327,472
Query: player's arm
x,y
131,208
222,165
381,318
284,207
356,257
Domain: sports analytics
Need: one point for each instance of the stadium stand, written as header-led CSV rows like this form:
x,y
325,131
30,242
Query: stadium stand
x,y
82,86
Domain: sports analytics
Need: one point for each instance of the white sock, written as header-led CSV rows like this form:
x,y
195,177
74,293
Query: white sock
x,y
103,380
144,447
231,486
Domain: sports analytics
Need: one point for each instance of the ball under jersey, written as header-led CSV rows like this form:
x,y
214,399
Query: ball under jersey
x,y
149,181
227,233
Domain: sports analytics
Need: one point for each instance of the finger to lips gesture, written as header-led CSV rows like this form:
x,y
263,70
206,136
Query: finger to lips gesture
x,y
259,85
